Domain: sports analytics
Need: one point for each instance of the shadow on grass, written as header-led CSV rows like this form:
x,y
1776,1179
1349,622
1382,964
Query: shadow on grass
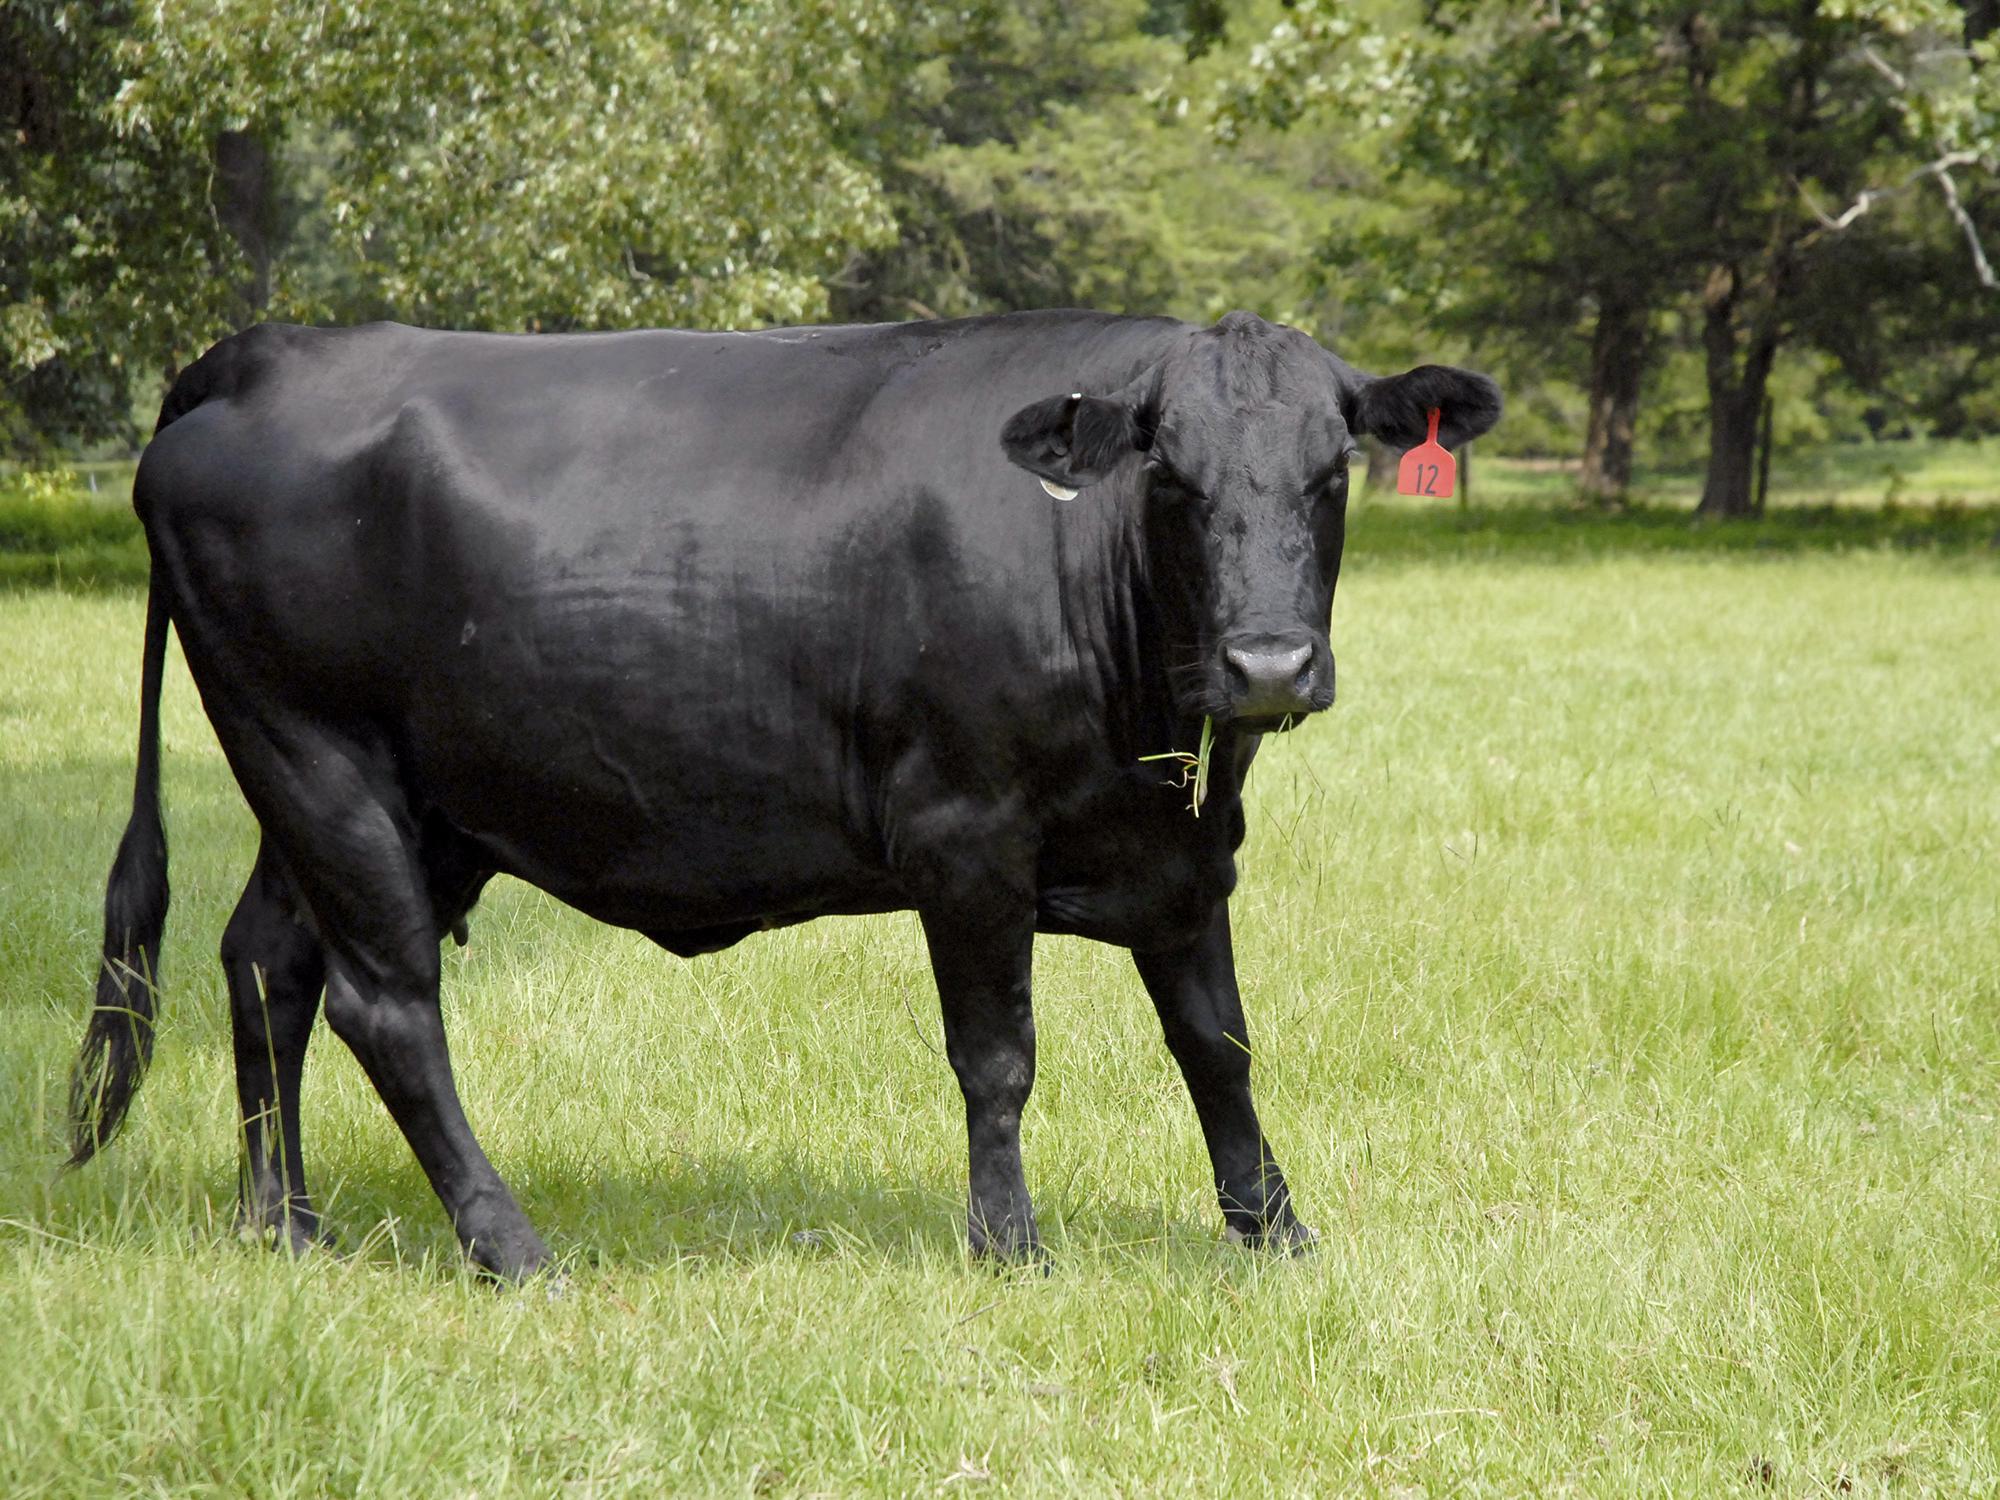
x,y
724,1209
1560,533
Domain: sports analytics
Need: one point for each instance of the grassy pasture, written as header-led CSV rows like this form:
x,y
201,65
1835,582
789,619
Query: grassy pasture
x,y
1852,476
1624,958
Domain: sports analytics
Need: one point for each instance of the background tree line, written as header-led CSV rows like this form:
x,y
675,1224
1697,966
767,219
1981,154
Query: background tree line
x,y
1673,225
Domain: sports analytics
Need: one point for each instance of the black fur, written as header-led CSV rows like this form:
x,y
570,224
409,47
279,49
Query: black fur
x,y
119,1042
1397,409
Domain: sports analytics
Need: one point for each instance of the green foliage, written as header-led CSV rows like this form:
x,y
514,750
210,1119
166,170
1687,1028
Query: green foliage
x,y
1460,180
1043,164
488,163
1776,168
513,163
60,527
109,257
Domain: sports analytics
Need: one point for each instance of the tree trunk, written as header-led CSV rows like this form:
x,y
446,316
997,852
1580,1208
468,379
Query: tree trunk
x,y
1765,440
1735,398
1617,364
1732,449
246,204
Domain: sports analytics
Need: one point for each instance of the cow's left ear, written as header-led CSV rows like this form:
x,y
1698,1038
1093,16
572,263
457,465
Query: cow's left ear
x,y
1396,408
1072,440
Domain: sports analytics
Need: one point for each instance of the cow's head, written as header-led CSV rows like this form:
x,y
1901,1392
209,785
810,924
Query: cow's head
x,y
1243,436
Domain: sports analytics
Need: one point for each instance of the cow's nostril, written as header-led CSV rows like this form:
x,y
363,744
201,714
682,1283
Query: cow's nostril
x,y
1269,680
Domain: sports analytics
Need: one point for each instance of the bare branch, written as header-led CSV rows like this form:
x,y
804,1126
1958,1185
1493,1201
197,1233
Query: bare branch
x,y
1876,61
1940,169
1867,198
1862,203
1980,263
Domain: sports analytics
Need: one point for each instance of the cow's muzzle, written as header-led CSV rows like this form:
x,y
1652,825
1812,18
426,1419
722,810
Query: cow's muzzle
x,y
1276,677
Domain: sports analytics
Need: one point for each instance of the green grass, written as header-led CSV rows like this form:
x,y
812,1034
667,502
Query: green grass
x,y
1624,957
72,528
1918,472
1393,526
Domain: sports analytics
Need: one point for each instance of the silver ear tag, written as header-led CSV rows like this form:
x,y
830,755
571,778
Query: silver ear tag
x,y
1058,491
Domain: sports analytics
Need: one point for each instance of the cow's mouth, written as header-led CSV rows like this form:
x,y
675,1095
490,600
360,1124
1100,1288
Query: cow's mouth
x,y
1270,723
1278,718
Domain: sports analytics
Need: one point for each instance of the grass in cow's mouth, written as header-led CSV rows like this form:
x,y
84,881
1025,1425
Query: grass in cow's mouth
x,y
1194,765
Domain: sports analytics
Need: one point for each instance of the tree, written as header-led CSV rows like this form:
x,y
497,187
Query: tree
x,y
1032,161
1612,160
107,250
476,163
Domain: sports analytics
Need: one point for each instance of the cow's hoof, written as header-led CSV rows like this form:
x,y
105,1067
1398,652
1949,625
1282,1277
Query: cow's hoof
x,y
1032,1262
1036,1260
527,1273
543,1279
513,1260
1018,1252
551,1284
293,1233
1288,1238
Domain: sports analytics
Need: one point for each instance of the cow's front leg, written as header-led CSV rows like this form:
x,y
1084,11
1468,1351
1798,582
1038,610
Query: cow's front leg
x,y
1194,990
983,967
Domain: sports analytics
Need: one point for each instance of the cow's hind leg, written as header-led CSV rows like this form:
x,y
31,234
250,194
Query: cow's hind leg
x,y
337,812
390,1018
276,969
1194,990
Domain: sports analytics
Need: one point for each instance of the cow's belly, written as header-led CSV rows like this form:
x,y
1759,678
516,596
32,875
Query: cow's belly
x,y
640,816
715,870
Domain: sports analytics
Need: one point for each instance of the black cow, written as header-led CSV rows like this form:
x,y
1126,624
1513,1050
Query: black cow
x,y
710,632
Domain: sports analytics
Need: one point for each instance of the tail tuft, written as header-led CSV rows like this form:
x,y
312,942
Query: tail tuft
x,y
119,1042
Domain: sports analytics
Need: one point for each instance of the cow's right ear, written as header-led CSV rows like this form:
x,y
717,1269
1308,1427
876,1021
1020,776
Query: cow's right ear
x,y
1071,441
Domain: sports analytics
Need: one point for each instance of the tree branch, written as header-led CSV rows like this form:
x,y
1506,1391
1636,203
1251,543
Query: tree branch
x,y
1876,61
1942,172
1863,201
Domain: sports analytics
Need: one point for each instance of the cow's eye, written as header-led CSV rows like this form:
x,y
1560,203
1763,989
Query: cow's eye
x,y
1166,481
1335,473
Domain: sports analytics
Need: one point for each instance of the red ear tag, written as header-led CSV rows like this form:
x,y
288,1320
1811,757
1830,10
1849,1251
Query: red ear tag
x,y
1427,469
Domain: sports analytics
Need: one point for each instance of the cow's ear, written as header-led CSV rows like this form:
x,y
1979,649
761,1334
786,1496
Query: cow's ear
x,y
1072,440
1396,408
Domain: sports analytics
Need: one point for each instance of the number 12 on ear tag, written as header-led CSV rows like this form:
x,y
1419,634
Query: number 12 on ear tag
x,y
1427,469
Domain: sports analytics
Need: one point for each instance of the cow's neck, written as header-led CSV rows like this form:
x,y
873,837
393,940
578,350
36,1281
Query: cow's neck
x,y
1127,644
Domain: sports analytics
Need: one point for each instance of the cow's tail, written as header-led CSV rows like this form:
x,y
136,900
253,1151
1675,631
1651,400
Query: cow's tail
x,y
119,1042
